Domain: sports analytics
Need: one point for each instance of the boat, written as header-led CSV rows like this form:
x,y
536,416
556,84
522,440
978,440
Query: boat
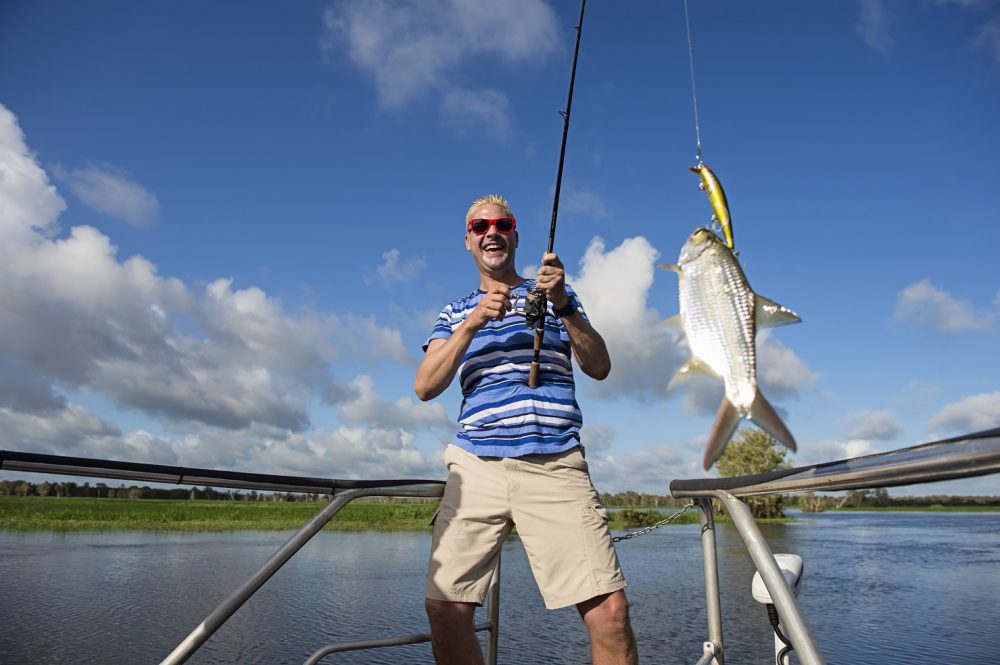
x,y
775,583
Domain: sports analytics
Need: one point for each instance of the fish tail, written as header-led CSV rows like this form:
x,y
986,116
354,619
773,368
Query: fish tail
x,y
766,418
726,422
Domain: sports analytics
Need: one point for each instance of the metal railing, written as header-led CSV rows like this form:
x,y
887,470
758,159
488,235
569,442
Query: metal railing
x,y
961,457
341,492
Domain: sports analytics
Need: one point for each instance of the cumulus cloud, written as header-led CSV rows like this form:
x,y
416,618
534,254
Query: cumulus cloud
x,y
468,111
926,305
880,425
873,25
614,287
368,408
79,317
988,38
581,202
972,414
110,191
416,48
394,270
819,452
649,470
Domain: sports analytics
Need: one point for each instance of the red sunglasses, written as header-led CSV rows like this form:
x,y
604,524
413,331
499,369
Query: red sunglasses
x,y
503,225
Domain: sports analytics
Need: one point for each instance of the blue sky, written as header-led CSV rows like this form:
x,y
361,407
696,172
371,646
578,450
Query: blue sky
x,y
227,227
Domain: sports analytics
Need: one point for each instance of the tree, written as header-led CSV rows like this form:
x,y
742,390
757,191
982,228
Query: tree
x,y
755,451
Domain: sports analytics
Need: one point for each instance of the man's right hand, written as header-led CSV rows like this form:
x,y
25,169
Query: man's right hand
x,y
494,305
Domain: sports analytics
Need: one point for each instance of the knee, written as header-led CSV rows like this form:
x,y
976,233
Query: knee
x,y
446,613
607,613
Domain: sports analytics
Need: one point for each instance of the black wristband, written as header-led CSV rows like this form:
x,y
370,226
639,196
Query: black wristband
x,y
567,309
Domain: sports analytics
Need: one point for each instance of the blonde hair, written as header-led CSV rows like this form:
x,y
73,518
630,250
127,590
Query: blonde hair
x,y
489,199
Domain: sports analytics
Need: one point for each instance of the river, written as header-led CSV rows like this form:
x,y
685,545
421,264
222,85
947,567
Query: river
x,y
895,588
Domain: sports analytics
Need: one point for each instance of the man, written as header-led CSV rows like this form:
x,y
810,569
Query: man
x,y
517,459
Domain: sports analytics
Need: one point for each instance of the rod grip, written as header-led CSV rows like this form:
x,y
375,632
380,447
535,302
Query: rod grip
x,y
533,375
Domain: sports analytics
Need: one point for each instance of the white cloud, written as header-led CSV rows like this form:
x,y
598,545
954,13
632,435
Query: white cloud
x,y
109,190
988,38
393,270
369,409
649,470
924,304
77,317
467,111
780,373
67,430
972,414
416,49
614,288
873,25
880,425
819,452
581,202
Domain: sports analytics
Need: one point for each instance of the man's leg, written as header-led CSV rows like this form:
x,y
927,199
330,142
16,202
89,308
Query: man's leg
x,y
453,634
607,621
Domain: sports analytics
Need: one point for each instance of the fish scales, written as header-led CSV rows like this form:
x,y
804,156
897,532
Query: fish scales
x,y
717,308
720,315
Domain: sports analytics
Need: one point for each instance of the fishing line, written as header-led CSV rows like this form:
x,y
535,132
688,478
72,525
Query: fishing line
x,y
694,94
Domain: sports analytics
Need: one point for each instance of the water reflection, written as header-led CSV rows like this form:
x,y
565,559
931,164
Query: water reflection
x,y
914,588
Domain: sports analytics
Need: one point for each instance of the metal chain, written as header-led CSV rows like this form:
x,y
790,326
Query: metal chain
x,y
643,532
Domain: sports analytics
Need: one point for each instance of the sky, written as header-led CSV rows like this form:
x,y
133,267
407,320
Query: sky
x,y
226,228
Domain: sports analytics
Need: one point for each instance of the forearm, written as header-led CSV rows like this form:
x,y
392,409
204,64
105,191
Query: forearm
x,y
441,362
588,346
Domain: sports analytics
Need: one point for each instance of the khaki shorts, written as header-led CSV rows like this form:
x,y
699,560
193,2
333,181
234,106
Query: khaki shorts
x,y
559,518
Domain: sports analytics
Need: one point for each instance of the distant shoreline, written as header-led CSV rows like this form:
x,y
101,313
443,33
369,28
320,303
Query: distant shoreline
x,y
32,513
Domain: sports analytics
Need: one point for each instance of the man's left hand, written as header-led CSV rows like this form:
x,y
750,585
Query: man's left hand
x,y
551,278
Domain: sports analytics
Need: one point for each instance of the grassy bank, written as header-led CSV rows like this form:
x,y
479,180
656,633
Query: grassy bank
x,y
78,514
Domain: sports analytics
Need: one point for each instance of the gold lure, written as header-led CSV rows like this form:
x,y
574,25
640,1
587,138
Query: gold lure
x,y
717,197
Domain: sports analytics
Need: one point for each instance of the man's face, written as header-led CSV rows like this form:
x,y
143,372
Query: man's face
x,y
493,251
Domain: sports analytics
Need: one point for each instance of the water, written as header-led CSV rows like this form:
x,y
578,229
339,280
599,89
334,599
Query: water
x,y
895,588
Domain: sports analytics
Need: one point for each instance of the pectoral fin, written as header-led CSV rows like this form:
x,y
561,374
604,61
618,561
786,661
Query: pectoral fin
x,y
726,422
690,368
769,314
766,418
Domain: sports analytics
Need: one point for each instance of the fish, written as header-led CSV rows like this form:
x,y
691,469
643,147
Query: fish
x,y
717,197
720,316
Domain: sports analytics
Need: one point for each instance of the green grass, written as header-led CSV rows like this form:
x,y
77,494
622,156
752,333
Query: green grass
x,y
78,514
32,513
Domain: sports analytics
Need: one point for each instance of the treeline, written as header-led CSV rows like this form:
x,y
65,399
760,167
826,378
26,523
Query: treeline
x,y
632,499
879,498
104,491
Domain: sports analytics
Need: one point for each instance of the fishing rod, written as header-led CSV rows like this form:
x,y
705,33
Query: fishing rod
x,y
535,303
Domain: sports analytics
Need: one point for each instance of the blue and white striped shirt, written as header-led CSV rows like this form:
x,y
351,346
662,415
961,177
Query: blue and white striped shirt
x,y
501,415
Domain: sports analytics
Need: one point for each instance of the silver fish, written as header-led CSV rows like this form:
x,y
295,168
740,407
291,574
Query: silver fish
x,y
720,315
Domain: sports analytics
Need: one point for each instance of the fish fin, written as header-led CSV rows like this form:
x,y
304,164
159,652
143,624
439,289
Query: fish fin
x,y
769,314
726,422
690,368
670,266
766,418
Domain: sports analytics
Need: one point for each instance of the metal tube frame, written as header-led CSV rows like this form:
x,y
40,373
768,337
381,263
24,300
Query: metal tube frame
x,y
760,552
713,605
228,607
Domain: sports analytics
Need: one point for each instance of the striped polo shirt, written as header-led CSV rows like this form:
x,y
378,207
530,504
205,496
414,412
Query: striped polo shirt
x,y
501,415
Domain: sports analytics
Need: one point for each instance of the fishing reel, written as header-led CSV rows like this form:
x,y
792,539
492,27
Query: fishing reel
x,y
534,308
